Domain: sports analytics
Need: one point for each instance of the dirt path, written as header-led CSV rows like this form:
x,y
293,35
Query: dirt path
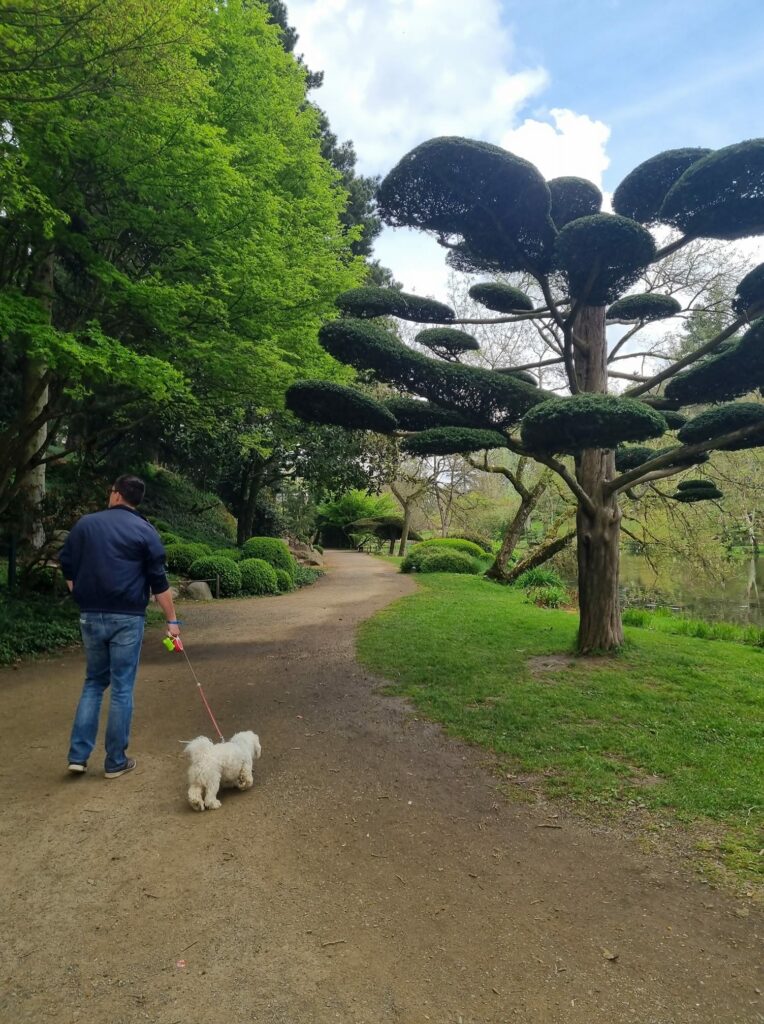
x,y
372,875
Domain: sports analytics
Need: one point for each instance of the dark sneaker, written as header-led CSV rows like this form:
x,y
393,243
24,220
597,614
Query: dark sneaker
x,y
77,769
131,763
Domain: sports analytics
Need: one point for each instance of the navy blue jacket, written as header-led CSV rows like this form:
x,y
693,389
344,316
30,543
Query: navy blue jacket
x,y
115,559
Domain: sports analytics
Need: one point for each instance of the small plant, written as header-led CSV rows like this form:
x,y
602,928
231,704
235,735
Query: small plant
x,y
210,566
272,550
34,624
258,577
304,575
284,581
449,561
540,578
546,597
181,556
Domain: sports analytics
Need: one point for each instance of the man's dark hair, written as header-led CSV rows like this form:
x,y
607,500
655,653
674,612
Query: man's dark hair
x,y
132,488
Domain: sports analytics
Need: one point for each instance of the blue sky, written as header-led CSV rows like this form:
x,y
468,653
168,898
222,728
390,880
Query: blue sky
x,y
660,74
585,87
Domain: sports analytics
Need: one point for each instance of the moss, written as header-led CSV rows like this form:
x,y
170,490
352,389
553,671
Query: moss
x,y
569,425
323,401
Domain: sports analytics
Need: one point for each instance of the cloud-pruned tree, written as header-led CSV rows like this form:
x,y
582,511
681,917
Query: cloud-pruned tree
x,y
495,213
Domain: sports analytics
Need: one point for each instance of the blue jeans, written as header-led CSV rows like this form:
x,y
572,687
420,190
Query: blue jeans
x,y
113,649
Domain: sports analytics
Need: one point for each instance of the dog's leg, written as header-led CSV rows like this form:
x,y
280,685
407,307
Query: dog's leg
x,y
211,793
196,796
245,780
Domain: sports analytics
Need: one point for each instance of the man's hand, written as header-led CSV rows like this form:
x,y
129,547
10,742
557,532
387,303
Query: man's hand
x,y
173,629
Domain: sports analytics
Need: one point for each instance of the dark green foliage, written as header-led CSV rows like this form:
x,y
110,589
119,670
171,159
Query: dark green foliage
x,y
723,420
448,561
258,577
181,556
675,420
35,624
736,371
602,255
695,485
384,527
284,581
589,421
497,202
573,198
749,297
690,495
414,414
722,195
486,398
452,441
323,401
447,341
631,456
413,560
273,550
517,374
474,538
641,193
539,577
173,499
502,298
646,307
210,566
235,554
366,303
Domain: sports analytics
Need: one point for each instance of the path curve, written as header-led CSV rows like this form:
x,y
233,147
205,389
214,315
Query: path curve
x,y
373,874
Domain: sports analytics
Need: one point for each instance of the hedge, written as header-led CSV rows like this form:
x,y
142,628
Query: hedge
x,y
272,550
258,577
209,567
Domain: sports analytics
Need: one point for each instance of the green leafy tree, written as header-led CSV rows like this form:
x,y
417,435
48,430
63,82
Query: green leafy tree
x,y
494,212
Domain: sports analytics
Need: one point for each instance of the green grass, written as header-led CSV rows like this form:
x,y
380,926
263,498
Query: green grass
x,y
665,621
672,723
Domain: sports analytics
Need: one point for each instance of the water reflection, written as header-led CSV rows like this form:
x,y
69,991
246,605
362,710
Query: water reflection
x,y
737,598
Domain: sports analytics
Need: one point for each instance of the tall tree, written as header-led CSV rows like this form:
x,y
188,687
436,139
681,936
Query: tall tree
x,y
495,212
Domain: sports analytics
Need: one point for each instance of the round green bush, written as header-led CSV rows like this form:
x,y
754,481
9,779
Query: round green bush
x,y
413,560
641,193
573,198
272,550
484,543
170,538
646,307
501,298
448,561
235,554
182,555
258,577
284,581
210,566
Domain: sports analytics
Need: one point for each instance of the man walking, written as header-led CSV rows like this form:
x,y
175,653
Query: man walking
x,y
112,560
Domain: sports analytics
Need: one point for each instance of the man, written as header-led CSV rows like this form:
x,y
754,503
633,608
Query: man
x,y
112,560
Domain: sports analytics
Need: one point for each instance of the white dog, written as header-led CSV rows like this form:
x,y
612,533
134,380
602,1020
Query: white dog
x,y
219,764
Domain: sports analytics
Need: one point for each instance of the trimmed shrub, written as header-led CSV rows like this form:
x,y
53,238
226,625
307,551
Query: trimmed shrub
x,y
546,597
258,577
413,560
212,565
272,550
235,554
181,556
170,538
284,581
474,538
448,561
539,577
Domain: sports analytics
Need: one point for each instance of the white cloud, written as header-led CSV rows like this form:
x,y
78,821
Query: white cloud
x,y
398,72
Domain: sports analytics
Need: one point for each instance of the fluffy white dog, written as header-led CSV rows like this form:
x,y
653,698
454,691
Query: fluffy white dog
x,y
219,764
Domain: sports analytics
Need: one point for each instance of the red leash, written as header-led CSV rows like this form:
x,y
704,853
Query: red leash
x,y
180,647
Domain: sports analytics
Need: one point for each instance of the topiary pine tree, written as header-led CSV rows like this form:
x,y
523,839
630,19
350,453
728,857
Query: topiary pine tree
x,y
495,213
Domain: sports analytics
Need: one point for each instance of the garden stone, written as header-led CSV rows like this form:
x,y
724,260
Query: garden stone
x,y
198,591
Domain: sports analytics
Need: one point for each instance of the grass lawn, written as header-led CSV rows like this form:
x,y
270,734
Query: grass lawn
x,y
673,722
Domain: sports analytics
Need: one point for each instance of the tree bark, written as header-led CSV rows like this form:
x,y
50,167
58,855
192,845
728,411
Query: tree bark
x,y
252,482
597,521
407,513
542,554
528,502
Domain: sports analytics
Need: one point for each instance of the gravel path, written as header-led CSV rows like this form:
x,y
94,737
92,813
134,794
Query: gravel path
x,y
373,874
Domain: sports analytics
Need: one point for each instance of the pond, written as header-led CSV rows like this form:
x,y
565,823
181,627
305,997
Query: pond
x,y
684,589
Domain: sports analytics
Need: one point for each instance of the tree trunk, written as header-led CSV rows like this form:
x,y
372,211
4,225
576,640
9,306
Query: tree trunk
x,y
542,554
598,525
392,546
35,401
407,513
252,482
528,502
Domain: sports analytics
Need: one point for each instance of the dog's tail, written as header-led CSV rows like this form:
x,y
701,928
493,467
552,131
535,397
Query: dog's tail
x,y
195,747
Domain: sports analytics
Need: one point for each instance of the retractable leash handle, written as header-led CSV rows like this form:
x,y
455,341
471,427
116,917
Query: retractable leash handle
x,y
174,643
